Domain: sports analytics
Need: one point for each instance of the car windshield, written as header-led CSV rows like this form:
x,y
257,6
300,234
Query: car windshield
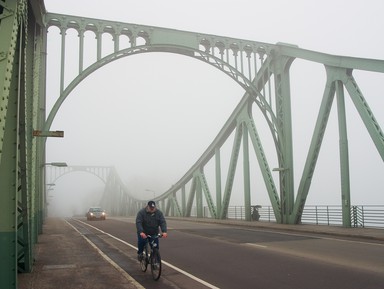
x,y
95,209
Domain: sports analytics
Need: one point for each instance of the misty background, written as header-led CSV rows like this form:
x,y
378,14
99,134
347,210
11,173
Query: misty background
x,y
152,115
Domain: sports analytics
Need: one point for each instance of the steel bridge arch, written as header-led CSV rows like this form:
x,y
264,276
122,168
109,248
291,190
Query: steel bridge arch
x,y
275,60
113,186
55,173
251,90
209,44
161,43
221,65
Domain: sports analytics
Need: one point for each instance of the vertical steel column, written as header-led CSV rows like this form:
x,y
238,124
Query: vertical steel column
x,y
218,181
183,201
199,197
9,48
284,124
99,39
81,50
63,32
231,170
344,161
247,182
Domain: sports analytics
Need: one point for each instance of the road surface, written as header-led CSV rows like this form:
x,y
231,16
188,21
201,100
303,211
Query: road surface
x,y
203,255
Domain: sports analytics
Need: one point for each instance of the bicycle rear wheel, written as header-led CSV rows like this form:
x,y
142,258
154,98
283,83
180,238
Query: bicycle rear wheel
x,y
144,260
155,264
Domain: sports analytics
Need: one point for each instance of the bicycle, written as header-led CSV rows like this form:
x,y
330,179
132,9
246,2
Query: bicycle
x,y
151,255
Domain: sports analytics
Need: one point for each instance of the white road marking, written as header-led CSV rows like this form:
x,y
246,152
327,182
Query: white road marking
x,y
164,262
255,245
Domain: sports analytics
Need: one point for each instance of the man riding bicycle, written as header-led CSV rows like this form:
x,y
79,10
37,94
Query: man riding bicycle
x,y
148,222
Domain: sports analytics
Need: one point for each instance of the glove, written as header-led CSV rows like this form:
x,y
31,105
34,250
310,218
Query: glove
x,y
165,235
142,235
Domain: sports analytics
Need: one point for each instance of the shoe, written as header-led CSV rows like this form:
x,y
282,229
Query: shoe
x,y
140,257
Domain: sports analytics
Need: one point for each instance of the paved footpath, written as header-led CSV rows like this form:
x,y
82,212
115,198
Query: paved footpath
x,y
64,259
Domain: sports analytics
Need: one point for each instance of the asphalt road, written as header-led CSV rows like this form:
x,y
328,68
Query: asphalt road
x,y
203,255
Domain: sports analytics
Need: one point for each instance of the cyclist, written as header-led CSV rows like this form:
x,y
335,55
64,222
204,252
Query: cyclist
x,y
148,222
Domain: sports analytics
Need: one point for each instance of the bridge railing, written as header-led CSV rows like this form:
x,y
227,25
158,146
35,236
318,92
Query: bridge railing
x,y
365,216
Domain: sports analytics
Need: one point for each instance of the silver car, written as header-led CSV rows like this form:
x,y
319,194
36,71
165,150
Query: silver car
x,y
95,213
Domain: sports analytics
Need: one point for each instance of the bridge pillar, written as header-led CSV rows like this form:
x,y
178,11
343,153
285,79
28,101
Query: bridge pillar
x,y
9,75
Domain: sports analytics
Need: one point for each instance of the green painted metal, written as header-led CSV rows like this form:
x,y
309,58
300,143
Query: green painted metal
x,y
315,146
218,181
261,69
191,197
207,194
365,112
183,202
285,146
13,243
199,197
247,178
177,210
344,163
231,171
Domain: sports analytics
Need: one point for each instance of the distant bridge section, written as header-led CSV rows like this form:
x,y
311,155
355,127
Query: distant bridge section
x,y
116,198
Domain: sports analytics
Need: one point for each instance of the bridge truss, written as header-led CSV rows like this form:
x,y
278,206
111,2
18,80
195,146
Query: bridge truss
x,y
261,69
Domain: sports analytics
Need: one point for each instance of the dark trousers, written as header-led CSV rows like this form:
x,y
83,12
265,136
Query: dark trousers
x,y
141,243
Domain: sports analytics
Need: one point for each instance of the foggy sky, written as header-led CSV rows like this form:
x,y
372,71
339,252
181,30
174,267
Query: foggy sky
x,y
151,116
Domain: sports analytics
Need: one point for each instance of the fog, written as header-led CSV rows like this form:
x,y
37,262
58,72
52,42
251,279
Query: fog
x,y
152,115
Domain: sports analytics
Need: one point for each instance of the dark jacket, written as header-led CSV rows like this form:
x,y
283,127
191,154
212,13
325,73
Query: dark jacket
x,y
149,222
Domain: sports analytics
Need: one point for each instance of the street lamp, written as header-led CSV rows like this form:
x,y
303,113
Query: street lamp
x,y
279,169
56,164
148,190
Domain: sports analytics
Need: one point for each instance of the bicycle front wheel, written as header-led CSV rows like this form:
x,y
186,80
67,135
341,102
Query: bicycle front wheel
x,y
144,260
155,264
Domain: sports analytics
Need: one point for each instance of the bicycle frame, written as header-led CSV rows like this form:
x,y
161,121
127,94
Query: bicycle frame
x,y
152,257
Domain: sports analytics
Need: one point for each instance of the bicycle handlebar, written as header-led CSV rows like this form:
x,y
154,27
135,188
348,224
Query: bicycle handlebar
x,y
155,236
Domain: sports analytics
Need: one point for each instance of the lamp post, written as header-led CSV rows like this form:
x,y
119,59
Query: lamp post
x,y
47,187
46,196
148,190
56,164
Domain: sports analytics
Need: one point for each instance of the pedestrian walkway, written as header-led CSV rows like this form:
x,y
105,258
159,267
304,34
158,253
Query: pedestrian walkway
x,y
64,259
365,233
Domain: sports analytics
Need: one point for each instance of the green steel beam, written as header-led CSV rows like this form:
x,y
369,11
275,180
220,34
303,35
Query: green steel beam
x,y
344,160
218,181
231,171
199,197
10,47
365,112
191,197
284,125
314,149
246,176
207,193
263,164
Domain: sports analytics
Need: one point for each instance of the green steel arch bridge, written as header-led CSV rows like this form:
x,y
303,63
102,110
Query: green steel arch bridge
x,y
261,69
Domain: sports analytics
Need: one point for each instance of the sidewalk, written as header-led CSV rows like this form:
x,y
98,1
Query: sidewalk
x,y
64,259
332,231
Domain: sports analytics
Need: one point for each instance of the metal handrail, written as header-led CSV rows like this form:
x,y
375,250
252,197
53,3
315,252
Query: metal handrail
x,y
365,216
